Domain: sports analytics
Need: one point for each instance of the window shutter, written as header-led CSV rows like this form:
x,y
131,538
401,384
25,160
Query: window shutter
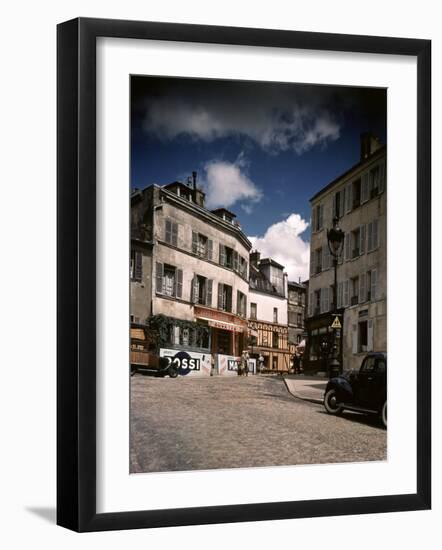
x,y
220,296
238,303
348,193
345,297
326,299
382,175
365,188
209,287
168,231
229,300
310,304
362,231
335,199
342,201
245,307
179,283
194,242
209,249
222,254
321,216
312,261
362,297
354,335
370,237
194,290
138,273
375,233
324,258
175,234
313,219
235,260
370,335
159,278
347,246
374,283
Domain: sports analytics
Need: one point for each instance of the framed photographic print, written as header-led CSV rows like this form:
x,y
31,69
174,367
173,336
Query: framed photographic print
x,y
232,279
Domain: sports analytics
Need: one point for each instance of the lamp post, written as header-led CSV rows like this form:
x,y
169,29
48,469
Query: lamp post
x,y
335,239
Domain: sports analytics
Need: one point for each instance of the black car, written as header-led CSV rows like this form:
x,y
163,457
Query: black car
x,y
364,391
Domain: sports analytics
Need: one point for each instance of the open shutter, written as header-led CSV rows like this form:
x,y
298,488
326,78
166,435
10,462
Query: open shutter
x,y
194,242
235,260
370,335
220,296
159,277
342,202
238,302
138,272
334,211
354,338
222,255
348,196
245,307
362,297
194,290
375,233
209,249
374,284
175,234
168,231
347,246
365,191
362,231
321,216
370,237
382,177
209,288
179,283
345,297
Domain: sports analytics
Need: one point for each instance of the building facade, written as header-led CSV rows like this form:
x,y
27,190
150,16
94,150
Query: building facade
x,y
268,322
296,312
358,199
189,274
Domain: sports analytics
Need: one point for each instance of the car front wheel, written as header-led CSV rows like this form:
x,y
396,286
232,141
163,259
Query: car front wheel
x,y
384,414
173,373
331,403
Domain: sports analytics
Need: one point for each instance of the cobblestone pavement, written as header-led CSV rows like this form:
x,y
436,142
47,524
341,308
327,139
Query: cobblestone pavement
x,y
204,423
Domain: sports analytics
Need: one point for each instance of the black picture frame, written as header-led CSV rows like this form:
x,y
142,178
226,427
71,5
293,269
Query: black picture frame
x,y
76,274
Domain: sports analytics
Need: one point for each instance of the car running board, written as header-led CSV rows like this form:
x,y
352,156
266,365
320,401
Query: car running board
x,y
357,409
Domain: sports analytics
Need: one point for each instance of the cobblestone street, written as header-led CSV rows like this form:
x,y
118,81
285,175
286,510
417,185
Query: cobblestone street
x,y
204,423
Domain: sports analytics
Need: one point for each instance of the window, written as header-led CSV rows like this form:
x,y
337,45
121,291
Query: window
x,y
276,278
371,285
253,311
318,260
136,265
169,280
292,317
242,266
356,193
325,300
275,314
202,246
356,241
202,290
374,182
224,297
299,316
171,232
226,256
241,304
317,217
275,341
338,204
317,302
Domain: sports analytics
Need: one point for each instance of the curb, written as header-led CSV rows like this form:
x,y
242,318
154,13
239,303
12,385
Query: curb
x,y
298,396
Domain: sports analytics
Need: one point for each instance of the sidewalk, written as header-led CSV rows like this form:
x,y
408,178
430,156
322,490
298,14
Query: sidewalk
x,y
309,388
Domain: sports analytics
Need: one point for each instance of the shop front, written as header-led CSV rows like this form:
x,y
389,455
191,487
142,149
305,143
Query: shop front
x,y
321,337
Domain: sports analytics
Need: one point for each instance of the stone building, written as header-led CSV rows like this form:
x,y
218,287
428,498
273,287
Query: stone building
x,y
358,199
268,313
189,269
296,312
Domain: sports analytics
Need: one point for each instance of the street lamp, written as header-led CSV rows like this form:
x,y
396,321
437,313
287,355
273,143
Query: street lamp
x,y
335,239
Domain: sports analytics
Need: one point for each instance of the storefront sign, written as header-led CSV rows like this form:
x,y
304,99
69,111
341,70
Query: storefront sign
x,y
188,362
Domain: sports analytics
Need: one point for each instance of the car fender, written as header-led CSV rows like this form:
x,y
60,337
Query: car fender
x,y
344,391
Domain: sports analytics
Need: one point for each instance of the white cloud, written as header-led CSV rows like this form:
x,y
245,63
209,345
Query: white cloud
x,y
278,123
282,242
227,183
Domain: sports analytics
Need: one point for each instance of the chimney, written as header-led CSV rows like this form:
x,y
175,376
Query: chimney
x,y
369,144
198,195
194,180
255,256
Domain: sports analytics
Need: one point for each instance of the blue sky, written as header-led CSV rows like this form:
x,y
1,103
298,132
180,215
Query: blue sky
x,y
260,149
